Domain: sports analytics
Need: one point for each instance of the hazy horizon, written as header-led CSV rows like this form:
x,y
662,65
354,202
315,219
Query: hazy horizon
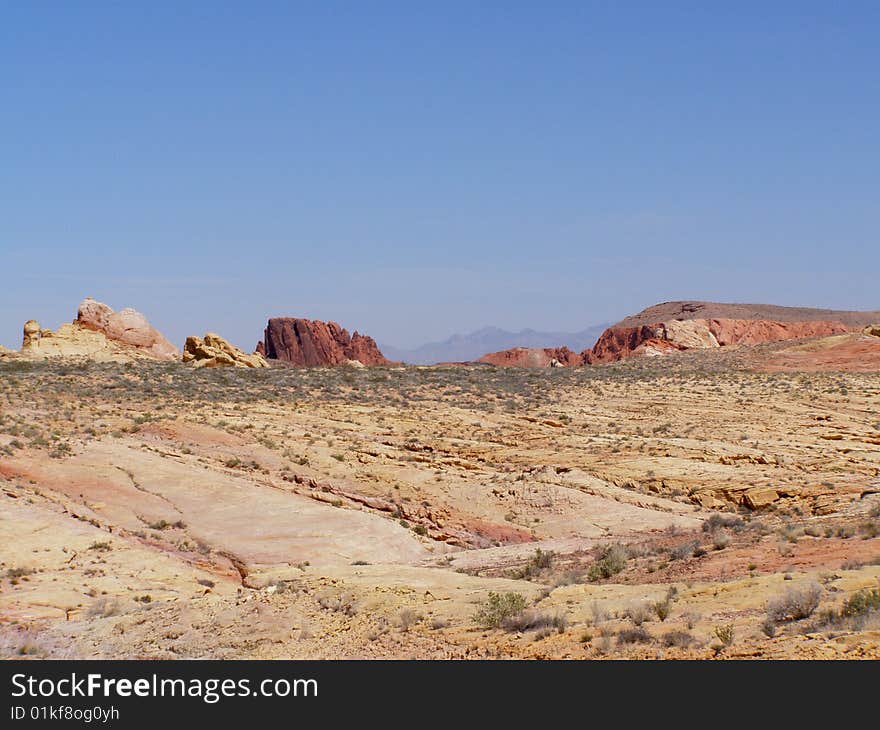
x,y
413,173
168,331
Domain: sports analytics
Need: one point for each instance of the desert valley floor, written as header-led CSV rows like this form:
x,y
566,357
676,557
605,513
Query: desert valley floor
x,y
686,506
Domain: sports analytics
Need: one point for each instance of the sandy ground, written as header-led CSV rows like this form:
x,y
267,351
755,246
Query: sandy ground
x,y
155,511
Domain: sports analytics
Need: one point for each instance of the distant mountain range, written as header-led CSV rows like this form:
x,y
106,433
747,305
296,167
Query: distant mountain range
x,y
467,347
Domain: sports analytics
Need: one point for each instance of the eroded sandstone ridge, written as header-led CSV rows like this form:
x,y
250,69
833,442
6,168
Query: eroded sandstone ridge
x,y
128,327
676,326
214,351
98,333
851,352
685,310
312,343
662,338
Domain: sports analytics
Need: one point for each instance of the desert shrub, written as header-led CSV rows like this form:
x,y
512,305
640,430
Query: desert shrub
x,y
530,620
605,643
860,608
637,635
166,525
559,623
538,563
794,604
29,648
16,573
685,550
498,608
599,612
407,618
720,540
570,577
203,547
861,602
716,521
663,608
789,533
724,634
638,613
340,603
612,560
103,608
679,639
758,527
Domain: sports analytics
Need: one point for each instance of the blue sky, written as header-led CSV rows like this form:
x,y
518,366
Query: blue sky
x,y
414,169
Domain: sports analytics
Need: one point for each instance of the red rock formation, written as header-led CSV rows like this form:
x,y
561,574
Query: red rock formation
x,y
754,332
673,326
312,343
853,352
617,343
532,357
669,311
674,335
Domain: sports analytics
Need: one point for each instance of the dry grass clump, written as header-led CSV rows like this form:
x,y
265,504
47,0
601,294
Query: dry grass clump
x,y
795,604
